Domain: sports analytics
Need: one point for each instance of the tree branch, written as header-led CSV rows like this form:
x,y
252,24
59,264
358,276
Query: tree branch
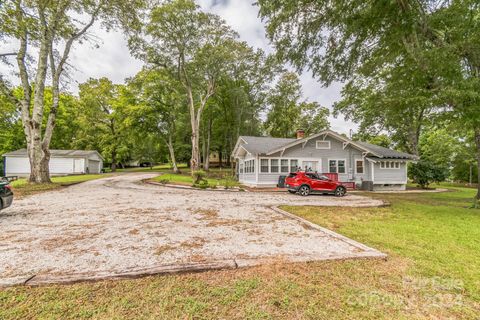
x,y
8,54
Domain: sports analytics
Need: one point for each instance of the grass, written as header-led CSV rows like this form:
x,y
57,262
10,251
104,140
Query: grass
x,y
215,177
433,272
161,168
21,187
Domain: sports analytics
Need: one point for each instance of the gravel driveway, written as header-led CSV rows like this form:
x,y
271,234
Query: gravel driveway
x,y
118,226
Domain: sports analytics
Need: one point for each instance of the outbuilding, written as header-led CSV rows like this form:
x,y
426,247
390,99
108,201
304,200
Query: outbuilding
x,y
62,162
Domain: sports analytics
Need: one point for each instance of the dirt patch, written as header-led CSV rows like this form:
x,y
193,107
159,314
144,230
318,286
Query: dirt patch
x,y
82,231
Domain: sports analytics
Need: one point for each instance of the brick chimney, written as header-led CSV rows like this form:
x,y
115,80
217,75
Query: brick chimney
x,y
300,134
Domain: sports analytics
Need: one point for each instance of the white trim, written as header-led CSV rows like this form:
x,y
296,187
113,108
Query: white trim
x,y
355,165
382,166
256,164
325,133
372,163
337,159
327,148
389,182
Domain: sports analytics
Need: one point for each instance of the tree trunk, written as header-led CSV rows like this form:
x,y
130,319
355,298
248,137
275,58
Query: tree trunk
x,y
114,160
39,160
206,160
477,142
171,150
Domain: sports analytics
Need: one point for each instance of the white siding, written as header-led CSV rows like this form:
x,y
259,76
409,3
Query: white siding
x,y
17,166
61,165
391,176
20,166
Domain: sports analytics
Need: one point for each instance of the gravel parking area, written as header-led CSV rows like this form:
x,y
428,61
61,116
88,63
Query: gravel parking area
x,y
118,226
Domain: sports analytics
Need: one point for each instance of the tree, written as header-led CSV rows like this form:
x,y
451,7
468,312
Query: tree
x,y
431,47
194,45
39,29
288,112
314,118
157,107
425,172
102,119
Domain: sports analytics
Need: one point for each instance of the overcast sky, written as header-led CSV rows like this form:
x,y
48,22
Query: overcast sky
x,y
112,59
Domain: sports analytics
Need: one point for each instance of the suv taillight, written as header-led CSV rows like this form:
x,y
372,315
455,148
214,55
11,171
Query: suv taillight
x,y
8,187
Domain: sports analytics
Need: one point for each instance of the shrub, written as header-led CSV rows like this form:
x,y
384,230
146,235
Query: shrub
x,y
202,184
425,172
198,175
229,182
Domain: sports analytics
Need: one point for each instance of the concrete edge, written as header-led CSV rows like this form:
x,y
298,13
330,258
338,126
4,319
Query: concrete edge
x,y
41,280
177,186
369,252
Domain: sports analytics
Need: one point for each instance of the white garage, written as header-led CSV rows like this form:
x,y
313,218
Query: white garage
x,y
62,162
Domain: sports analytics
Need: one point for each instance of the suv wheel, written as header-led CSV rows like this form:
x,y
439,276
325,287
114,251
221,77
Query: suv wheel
x,y
304,190
340,191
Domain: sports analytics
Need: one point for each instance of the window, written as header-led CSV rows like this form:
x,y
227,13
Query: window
x,y
336,166
332,165
359,166
389,165
250,166
284,165
341,166
322,144
241,167
293,165
264,165
273,165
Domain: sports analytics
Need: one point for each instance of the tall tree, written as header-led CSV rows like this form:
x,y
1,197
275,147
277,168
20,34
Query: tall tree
x,y
102,119
157,107
43,33
288,112
340,40
193,44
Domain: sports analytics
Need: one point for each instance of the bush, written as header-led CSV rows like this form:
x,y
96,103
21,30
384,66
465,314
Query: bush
x,y
425,172
198,176
202,184
229,182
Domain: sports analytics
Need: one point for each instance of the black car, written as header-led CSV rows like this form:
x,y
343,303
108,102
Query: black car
x,y
6,194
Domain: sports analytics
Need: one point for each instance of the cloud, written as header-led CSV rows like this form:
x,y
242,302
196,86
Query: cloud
x,y
113,60
242,15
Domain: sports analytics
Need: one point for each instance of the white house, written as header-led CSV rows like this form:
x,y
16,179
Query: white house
x,y
62,162
262,160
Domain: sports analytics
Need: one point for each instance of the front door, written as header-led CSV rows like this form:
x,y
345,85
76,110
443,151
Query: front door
x,y
310,166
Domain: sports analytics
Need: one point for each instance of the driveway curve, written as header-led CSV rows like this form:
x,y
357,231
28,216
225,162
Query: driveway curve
x,y
118,226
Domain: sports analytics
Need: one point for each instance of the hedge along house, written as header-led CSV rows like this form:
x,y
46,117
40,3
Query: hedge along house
x,y
62,162
260,161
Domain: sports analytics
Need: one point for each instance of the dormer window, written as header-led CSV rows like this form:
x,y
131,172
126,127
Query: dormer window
x,y
323,144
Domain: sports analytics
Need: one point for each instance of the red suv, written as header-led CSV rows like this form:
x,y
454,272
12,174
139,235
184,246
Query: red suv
x,y
306,182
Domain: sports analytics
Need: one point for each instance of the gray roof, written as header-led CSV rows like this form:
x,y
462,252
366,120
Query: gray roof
x,y
264,145
385,152
259,145
57,153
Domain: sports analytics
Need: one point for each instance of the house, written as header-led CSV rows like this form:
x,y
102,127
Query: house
x,y
217,159
262,160
62,162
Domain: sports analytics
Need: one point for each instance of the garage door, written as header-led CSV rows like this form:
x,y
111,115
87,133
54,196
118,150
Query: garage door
x,y
17,166
94,166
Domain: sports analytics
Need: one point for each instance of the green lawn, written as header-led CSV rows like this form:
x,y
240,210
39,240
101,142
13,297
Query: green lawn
x,y
215,177
161,167
21,187
433,272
